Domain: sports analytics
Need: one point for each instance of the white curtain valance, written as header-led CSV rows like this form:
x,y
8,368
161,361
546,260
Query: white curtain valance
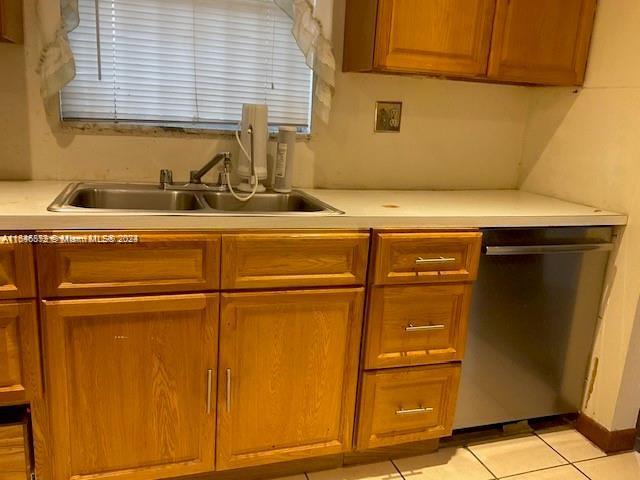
x,y
56,65
312,29
312,26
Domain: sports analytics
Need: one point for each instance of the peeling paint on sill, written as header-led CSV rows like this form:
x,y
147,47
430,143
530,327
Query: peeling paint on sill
x,y
132,129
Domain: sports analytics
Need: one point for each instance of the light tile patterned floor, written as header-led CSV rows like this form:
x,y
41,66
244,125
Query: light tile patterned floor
x,y
552,454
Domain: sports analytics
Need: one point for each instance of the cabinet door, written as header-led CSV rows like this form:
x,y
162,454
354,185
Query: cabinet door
x,y
129,385
11,21
544,42
438,36
288,374
19,352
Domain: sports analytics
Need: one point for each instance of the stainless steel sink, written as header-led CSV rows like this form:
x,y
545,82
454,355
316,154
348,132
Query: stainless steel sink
x,y
138,199
146,198
264,203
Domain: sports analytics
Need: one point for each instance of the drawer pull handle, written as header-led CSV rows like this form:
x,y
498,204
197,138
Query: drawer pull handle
x,y
423,328
209,386
413,411
228,390
429,261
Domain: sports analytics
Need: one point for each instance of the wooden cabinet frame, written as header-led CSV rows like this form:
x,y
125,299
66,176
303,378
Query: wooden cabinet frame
x,y
19,352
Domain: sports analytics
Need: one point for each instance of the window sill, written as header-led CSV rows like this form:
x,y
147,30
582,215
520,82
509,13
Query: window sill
x,y
148,130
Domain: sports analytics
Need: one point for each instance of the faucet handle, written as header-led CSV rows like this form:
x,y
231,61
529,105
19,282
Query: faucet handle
x,y
194,176
166,177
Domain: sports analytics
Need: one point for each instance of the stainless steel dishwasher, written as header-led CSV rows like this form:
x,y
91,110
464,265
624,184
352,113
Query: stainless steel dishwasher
x,y
532,323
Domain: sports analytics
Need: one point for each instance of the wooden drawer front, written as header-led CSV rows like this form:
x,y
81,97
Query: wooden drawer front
x,y
13,452
407,405
156,263
16,271
19,352
416,324
294,259
426,257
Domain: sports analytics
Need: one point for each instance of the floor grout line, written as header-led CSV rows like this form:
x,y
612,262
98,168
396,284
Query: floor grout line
x,y
542,470
551,447
583,473
466,447
397,469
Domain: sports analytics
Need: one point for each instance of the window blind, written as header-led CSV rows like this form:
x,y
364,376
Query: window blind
x,y
186,61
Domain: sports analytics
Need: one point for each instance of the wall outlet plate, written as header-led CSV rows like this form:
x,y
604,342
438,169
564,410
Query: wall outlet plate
x,y
388,117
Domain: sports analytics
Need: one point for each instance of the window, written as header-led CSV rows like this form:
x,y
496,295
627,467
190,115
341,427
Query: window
x,y
186,63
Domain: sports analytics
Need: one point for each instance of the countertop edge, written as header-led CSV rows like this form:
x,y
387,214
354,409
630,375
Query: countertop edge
x,y
134,222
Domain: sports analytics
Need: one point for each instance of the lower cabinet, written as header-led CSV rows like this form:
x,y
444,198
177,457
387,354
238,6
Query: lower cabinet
x,y
131,385
19,352
407,405
288,375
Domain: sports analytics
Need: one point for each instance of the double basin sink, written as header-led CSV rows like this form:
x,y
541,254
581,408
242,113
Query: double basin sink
x,y
143,198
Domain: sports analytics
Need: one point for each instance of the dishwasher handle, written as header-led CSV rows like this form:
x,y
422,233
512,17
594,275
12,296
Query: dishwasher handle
x,y
546,249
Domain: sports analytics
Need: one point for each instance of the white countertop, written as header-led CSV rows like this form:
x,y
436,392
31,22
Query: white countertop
x,y
23,206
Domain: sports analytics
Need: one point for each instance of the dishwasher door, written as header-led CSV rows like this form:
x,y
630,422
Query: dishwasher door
x,y
532,322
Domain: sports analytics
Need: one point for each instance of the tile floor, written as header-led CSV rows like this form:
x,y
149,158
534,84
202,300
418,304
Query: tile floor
x,y
559,453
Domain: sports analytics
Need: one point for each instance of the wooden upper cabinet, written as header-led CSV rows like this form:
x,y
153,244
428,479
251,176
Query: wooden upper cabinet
x,y
288,375
17,279
542,41
19,352
11,21
131,386
438,36
515,41
155,262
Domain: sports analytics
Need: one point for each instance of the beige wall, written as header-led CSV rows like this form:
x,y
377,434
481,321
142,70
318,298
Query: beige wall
x,y
454,135
585,147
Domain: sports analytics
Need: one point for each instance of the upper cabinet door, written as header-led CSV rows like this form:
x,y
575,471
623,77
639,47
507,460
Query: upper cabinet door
x,y
288,374
541,41
438,36
130,384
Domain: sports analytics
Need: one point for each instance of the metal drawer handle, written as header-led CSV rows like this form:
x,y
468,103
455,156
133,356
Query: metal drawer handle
x,y
228,390
413,411
429,261
422,328
209,386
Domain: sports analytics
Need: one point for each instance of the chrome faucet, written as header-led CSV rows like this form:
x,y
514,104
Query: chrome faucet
x,y
195,176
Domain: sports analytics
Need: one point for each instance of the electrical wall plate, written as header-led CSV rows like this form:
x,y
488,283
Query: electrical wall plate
x,y
388,117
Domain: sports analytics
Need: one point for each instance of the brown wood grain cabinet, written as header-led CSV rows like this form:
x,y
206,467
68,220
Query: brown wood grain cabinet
x,y
288,375
130,385
20,374
543,42
443,37
189,353
425,257
416,324
11,29
514,41
407,405
14,452
17,279
303,259
155,262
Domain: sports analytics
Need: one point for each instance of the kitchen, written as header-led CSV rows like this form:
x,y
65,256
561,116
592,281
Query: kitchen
x,y
470,159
